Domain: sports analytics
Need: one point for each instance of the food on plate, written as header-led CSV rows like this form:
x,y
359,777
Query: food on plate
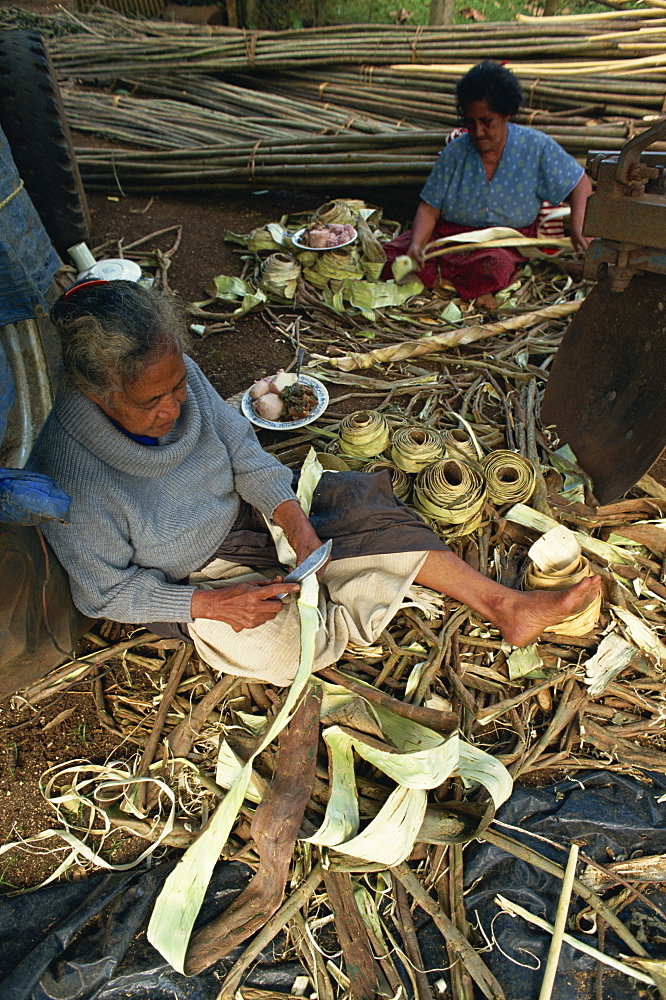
x,y
325,237
299,401
282,397
272,383
269,406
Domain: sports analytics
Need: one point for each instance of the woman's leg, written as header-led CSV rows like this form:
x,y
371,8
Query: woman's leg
x,y
479,272
520,616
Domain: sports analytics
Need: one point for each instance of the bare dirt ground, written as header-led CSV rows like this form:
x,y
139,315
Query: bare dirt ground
x,y
231,359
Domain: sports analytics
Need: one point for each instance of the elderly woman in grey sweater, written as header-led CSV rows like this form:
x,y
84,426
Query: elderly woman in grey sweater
x,y
170,491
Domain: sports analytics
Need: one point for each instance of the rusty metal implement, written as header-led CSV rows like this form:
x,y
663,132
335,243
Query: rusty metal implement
x,y
605,393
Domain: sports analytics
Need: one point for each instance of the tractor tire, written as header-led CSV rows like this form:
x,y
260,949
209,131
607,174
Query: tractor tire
x,y
33,120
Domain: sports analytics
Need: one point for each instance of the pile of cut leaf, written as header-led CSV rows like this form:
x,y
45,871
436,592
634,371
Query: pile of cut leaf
x,y
349,792
342,289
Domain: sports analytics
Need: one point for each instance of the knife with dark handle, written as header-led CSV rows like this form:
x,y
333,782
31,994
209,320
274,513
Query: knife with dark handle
x,y
310,565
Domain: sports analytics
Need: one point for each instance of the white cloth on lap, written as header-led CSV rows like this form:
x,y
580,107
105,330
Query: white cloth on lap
x,y
358,597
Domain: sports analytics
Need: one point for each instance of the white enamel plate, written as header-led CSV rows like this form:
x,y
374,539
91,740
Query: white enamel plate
x,y
320,392
297,238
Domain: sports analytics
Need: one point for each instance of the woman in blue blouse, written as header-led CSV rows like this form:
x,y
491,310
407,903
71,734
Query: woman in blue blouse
x,y
496,174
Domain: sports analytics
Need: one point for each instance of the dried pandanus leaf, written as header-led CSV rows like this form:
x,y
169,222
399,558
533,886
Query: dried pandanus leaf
x,y
417,759
264,239
537,521
452,338
280,274
338,210
458,444
413,448
371,248
611,658
510,478
641,633
370,295
363,435
400,481
230,289
451,492
561,565
334,265
331,462
402,268
180,900
524,661
496,236
372,270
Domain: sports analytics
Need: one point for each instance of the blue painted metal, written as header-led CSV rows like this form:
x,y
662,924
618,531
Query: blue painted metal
x,y
7,392
30,498
27,259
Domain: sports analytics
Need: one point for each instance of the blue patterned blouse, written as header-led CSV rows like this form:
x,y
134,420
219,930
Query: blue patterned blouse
x,y
533,168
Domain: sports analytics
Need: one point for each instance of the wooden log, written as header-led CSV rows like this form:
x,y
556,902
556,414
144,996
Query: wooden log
x,y
275,827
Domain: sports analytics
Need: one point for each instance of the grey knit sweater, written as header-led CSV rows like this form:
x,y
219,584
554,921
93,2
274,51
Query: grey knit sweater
x,y
143,517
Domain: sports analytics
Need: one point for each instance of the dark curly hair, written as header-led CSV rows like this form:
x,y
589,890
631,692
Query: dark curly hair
x,y
111,331
491,83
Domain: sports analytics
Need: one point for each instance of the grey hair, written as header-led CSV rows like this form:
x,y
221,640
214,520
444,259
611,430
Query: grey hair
x,y
112,331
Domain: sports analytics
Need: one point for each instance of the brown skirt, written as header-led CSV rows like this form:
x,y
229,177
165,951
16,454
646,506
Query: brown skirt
x,y
356,510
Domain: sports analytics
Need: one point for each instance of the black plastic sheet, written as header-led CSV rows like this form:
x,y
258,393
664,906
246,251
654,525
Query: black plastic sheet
x,y
613,818
87,940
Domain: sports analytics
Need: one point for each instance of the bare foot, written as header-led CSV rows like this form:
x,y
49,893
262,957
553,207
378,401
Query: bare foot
x,y
525,615
486,301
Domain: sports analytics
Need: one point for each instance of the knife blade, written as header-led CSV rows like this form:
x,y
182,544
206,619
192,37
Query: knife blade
x,y
310,565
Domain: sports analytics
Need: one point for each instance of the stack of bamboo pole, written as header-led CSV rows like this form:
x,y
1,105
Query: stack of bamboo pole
x,y
350,106
584,47
174,124
347,159
379,87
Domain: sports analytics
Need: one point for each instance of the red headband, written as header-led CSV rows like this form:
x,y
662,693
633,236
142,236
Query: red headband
x,y
85,284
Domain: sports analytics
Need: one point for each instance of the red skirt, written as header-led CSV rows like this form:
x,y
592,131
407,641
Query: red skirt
x,y
473,273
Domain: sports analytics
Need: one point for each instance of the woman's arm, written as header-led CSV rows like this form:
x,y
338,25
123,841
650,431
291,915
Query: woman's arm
x,y
577,198
423,227
300,534
247,605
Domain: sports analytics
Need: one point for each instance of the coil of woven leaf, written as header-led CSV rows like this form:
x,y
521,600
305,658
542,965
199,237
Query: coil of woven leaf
x,y
262,239
333,265
413,448
400,481
457,444
510,478
280,274
563,579
363,435
453,493
338,211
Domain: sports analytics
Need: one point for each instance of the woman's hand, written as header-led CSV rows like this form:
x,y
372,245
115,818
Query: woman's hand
x,y
423,227
242,605
300,534
415,251
578,200
580,242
